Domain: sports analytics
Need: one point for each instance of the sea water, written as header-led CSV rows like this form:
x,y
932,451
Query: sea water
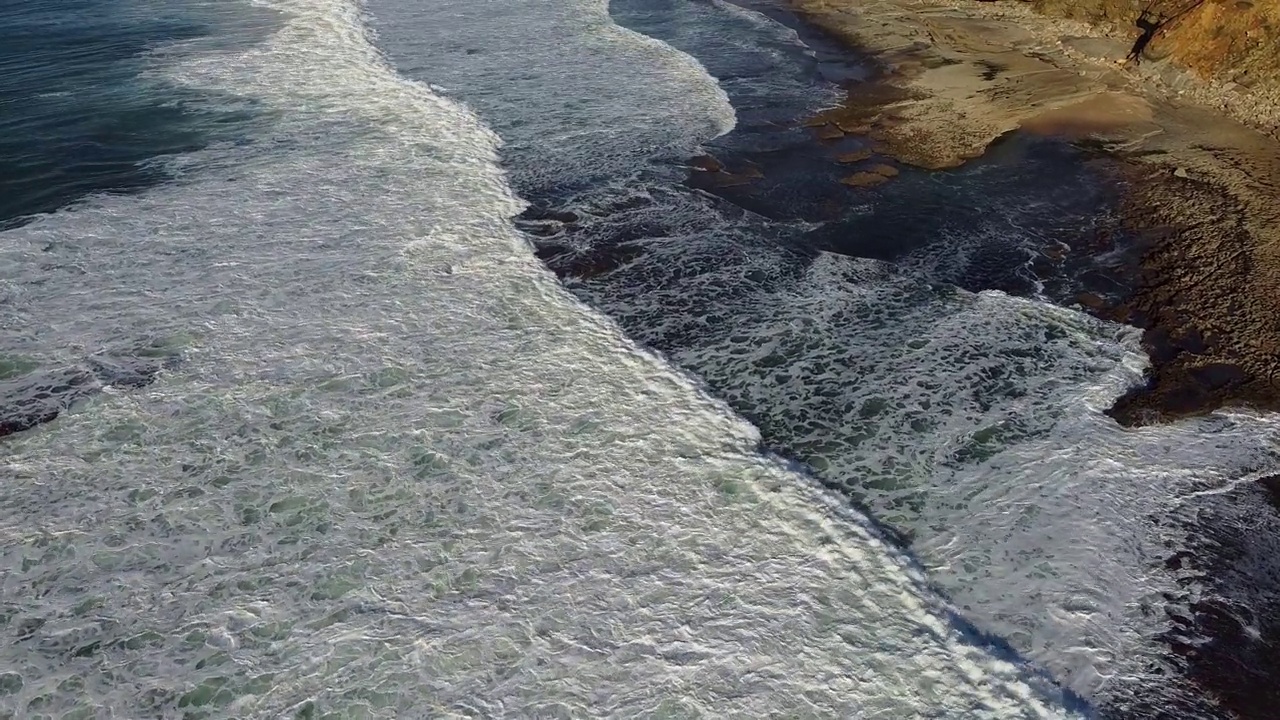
x,y
902,370
390,467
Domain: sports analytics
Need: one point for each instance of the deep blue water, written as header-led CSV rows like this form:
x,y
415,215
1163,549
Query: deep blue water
x,y
78,114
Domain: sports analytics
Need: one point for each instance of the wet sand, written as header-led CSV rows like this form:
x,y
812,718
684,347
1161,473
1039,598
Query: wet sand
x,y
1202,190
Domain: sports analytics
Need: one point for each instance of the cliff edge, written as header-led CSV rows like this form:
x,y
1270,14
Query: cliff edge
x,y
1230,40
1234,44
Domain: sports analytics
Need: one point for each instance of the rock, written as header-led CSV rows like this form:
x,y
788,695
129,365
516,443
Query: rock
x,y
1192,341
535,213
544,222
1207,38
854,128
1091,301
854,157
41,395
706,163
883,170
1181,172
1056,252
1103,48
829,132
864,179
542,229
1217,376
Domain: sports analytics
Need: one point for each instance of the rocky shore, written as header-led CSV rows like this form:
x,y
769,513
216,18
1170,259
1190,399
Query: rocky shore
x,y
1194,146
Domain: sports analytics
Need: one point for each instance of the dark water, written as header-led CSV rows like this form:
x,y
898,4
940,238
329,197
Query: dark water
x,y
858,330
995,225
77,114
84,112
845,324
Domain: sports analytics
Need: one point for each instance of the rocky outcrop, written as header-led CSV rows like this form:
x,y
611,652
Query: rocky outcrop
x,y
1234,43
1236,40
1203,185
39,395
1207,291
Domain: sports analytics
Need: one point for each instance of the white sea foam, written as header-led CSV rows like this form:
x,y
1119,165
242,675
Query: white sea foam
x,y
578,98
972,422
762,22
400,473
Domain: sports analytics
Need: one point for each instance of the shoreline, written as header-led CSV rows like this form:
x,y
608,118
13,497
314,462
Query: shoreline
x,y
1199,211
1201,190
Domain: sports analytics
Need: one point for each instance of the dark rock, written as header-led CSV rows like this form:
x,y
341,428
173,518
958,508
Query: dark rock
x,y
1198,296
1217,376
829,132
864,179
41,395
854,157
1091,301
1192,341
125,371
706,163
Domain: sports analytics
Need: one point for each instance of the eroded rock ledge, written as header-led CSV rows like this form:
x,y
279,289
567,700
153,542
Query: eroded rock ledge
x,y
1203,189
1232,44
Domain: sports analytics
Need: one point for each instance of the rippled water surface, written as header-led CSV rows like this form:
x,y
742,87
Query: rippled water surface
x,y
301,421
331,442
897,341
81,114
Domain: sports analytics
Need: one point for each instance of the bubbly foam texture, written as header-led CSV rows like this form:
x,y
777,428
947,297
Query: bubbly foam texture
x,y
762,65
762,22
549,78
577,98
970,422
399,472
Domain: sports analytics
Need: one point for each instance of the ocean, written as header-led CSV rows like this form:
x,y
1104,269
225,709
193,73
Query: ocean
x,y
389,360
